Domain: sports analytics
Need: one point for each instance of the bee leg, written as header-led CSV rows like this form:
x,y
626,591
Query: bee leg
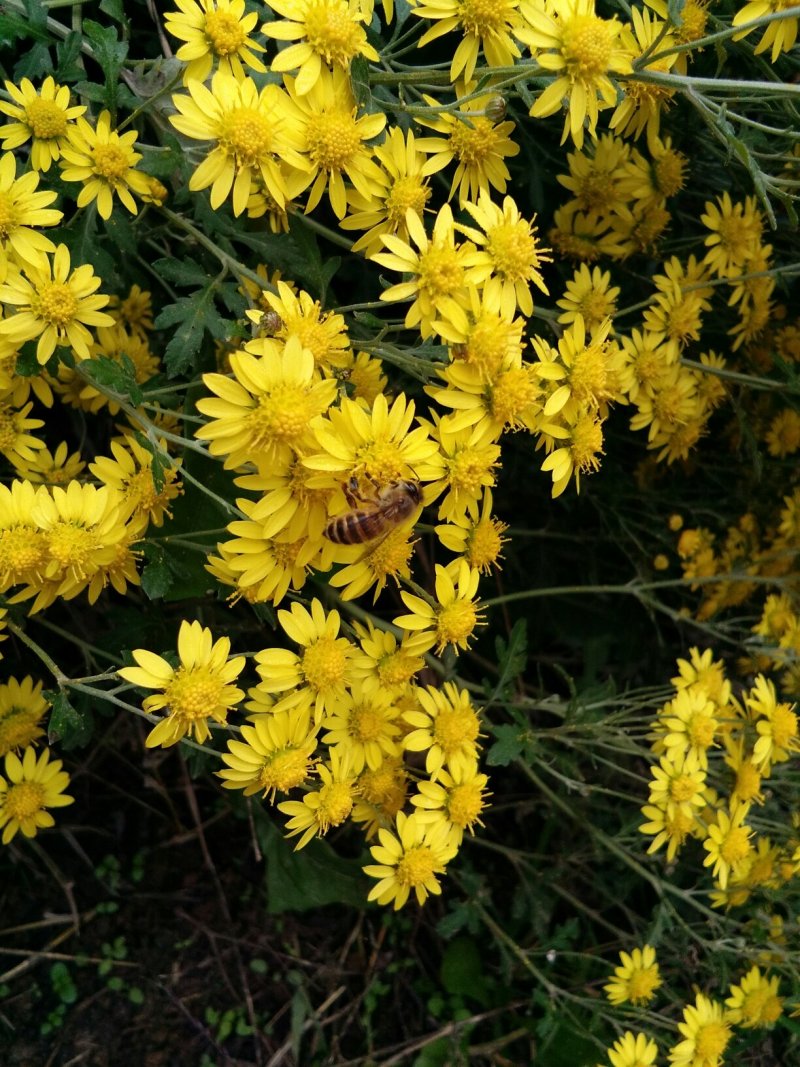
x,y
351,493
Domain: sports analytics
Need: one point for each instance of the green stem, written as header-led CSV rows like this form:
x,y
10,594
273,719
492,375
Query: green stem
x,y
38,651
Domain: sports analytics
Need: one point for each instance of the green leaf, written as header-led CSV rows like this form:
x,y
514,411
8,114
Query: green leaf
x,y
463,970
114,10
157,574
359,81
308,879
68,725
119,376
110,53
68,53
512,655
33,61
181,271
194,316
509,744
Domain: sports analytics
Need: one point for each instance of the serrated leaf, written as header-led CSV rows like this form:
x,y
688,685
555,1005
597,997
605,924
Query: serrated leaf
x,y
117,375
181,271
512,655
68,53
68,725
15,27
119,229
508,745
114,10
194,316
110,52
91,91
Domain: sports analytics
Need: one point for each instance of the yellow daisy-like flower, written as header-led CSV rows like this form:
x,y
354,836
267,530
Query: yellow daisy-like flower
x,y
633,1050
456,613
577,445
201,688
214,30
783,436
325,807
45,118
327,30
409,859
22,708
52,468
478,144
776,724
263,414
484,26
509,257
491,341
471,458
706,1032
509,398
385,663
589,293
636,979
23,545
781,34
299,315
439,276
728,843
754,1002
735,234
17,443
253,131
678,785
104,161
274,755
456,799
374,564
335,142
55,305
382,794
365,729
583,374
582,49
689,724
288,504
670,830
129,470
702,671
477,535
643,103
446,727
403,187
31,786
22,209
320,675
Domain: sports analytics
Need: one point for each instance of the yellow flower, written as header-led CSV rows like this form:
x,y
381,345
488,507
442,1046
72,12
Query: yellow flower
x,y
198,690
670,830
754,1002
263,414
455,799
329,30
409,859
633,1050
300,316
735,234
385,663
403,187
252,131
471,457
439,275
589,295
776,724
492,401
636,978
23,545
273,756
54,305
335,142
130,471
643,102
486,26
702,672
446,727
325,807
583,50
52,468
477,536
364,730
319,675
104,161
509,256
584,374
455,613
689,724
678,785
214,29
706,1032
17,443
475,141
45,118
21,209
781,34
22,707
728,843
31,785
382,794
577,445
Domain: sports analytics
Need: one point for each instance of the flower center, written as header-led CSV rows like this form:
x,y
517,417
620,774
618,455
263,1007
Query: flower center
x,y
748,782
456,622
513,392
589,376
417,866
642,984
332,139
455,728
407,192
711,1041
464,804
331,32
9,216
586,47
397,669
669,173
55,303
683,788
323,664
224,32
248,135
193,694
440,272
736,845
71,547
46,119
473,144
587,443
24,800
513,250
482,18
784,725
110,162
284,770
701,729
390,556
335,804
488,341
283,415
467,470
23,555
484,544
366,723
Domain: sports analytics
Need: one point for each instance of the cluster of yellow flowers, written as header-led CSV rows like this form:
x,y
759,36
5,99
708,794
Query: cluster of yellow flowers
x,y
707,1025
715,751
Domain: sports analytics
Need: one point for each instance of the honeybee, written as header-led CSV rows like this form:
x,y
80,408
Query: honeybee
x,y
371,517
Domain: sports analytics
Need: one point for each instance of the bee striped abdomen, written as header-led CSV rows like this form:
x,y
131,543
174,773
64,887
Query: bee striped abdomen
x,y
355,527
